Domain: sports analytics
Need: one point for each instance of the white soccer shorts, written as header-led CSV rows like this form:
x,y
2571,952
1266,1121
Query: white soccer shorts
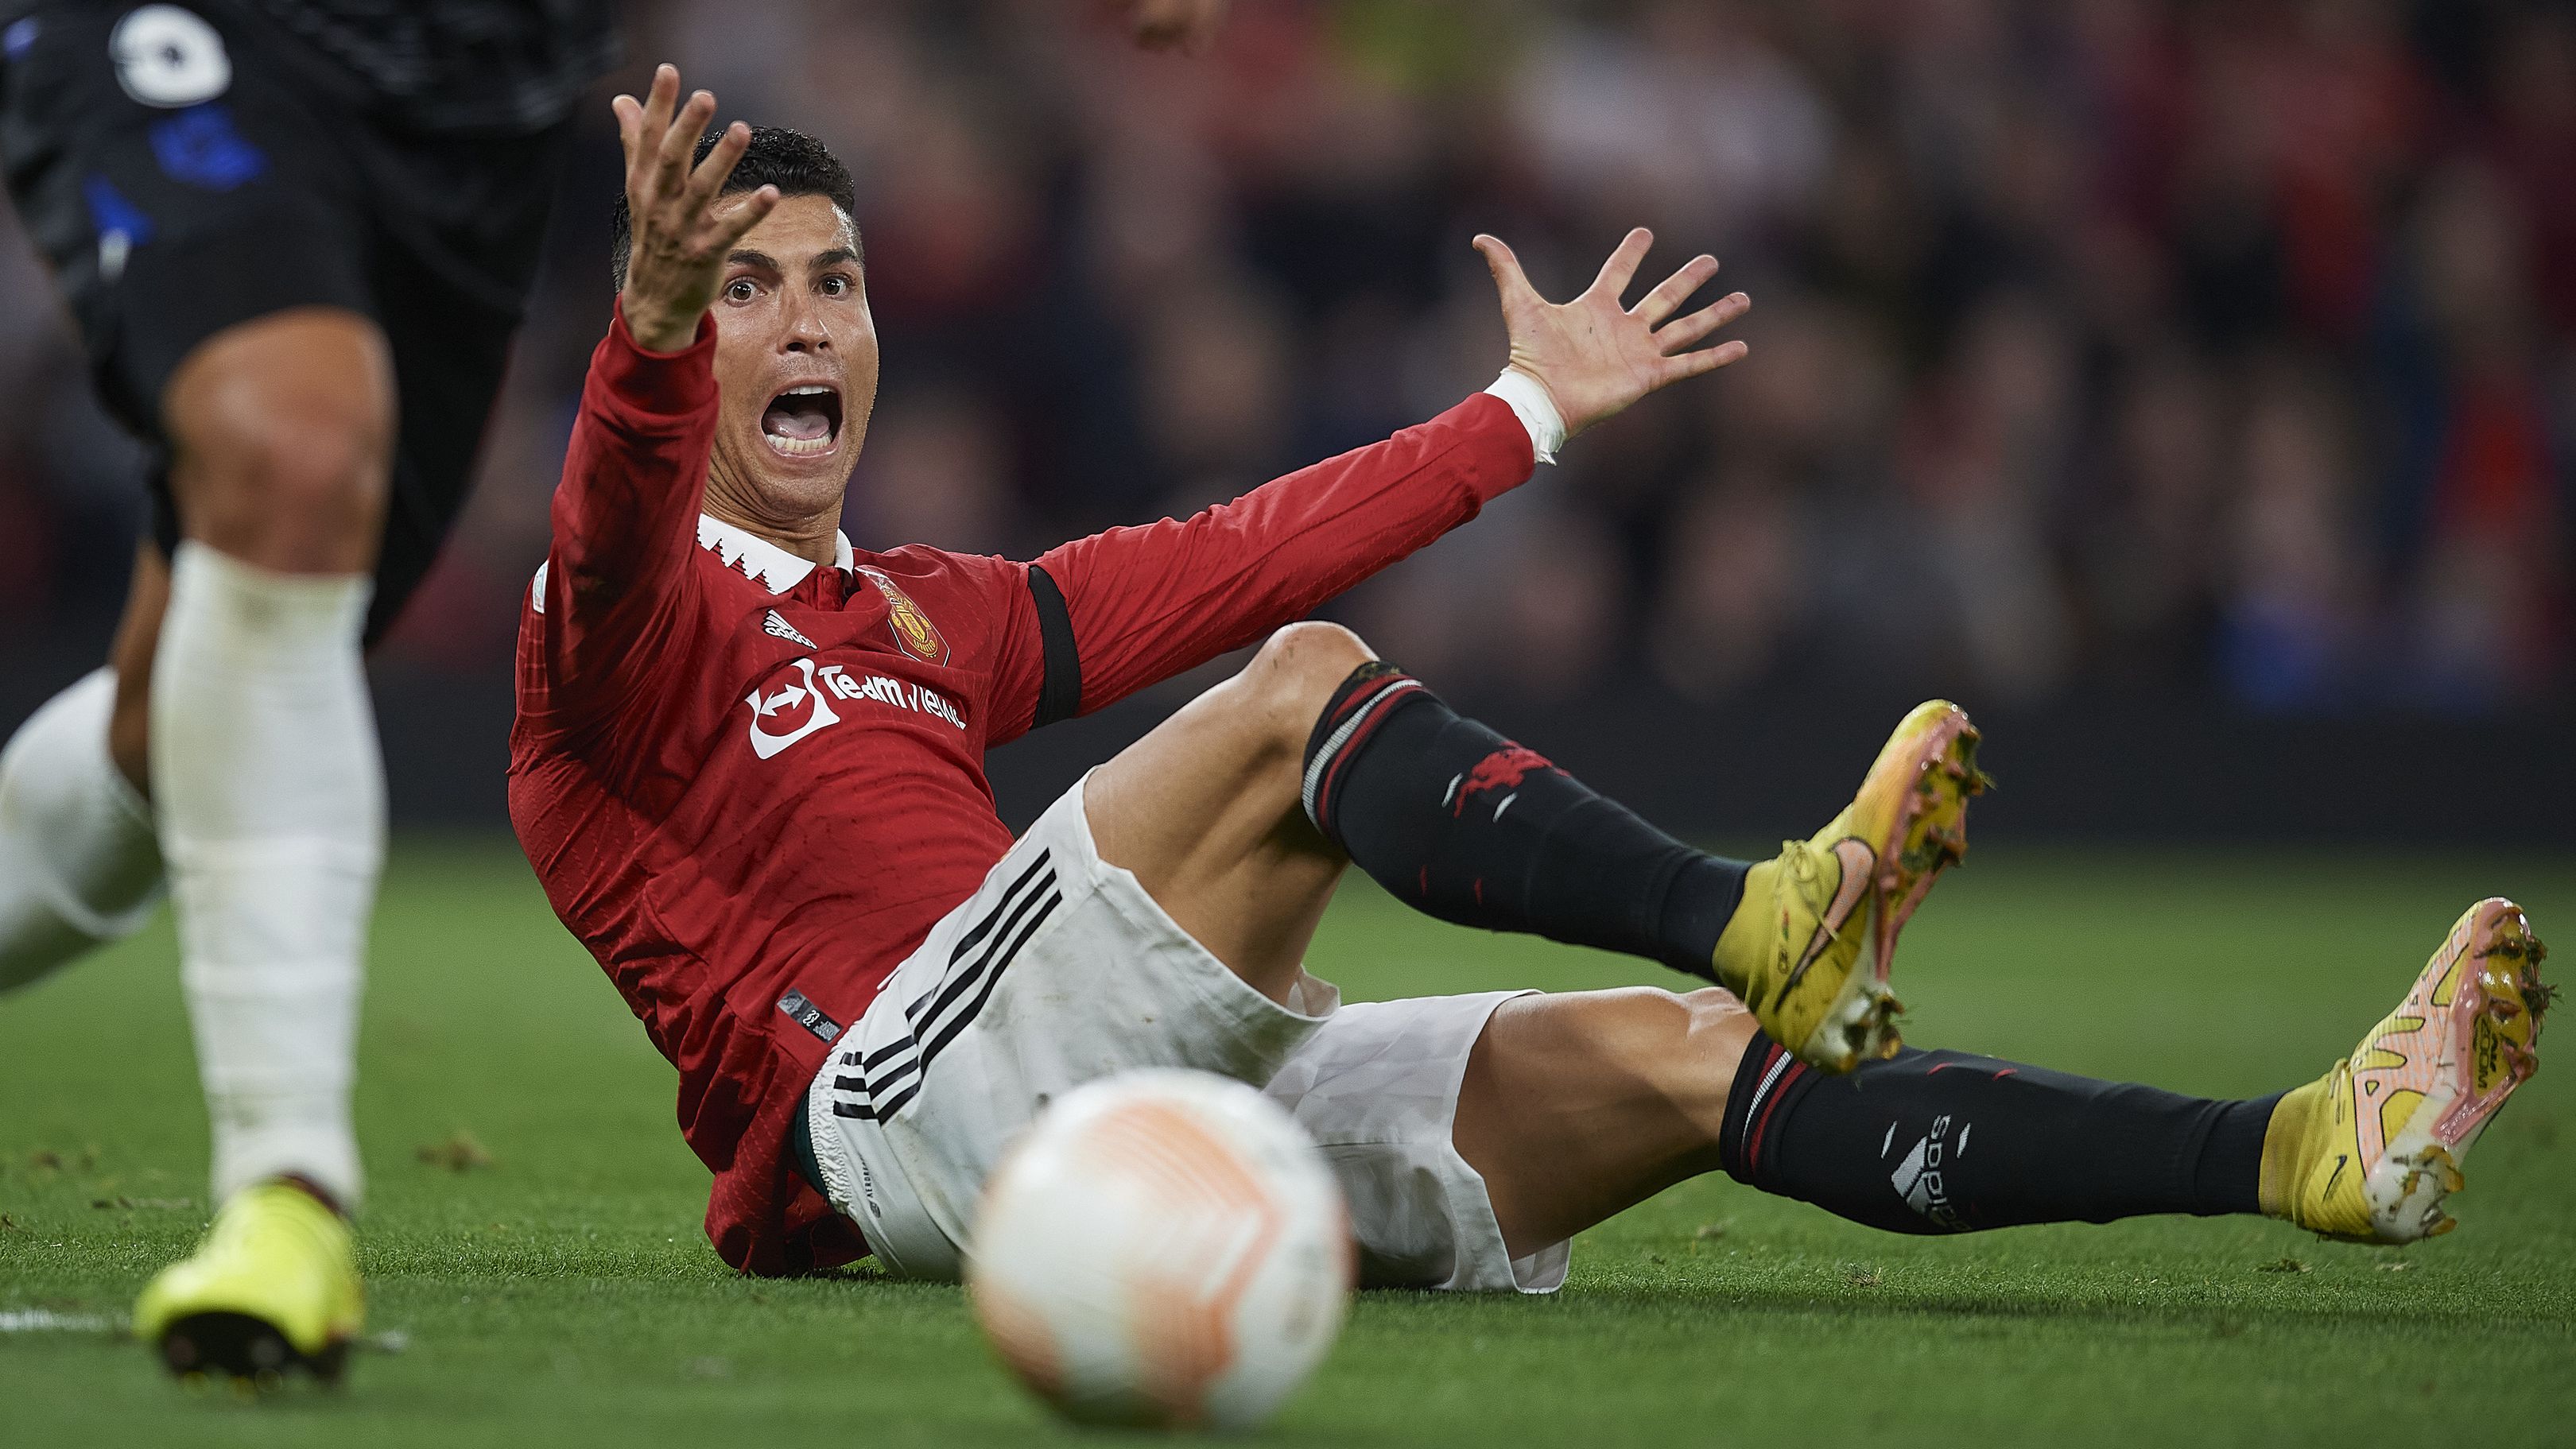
x,y
1060,969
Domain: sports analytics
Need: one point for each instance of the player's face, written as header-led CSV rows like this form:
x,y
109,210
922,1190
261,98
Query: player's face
x,y
796,362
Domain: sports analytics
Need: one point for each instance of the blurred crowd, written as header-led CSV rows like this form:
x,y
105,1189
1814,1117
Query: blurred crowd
x,y
2098,347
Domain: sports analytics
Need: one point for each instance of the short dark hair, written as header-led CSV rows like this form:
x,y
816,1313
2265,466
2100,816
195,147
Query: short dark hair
x,y
795,163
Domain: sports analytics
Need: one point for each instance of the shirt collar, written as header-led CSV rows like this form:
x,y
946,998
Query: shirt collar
x,y
773,567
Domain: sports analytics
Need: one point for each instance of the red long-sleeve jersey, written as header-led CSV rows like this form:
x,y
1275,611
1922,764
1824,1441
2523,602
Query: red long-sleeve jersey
x,y
751,786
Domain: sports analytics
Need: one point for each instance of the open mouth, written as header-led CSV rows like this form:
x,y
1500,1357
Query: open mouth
x,y
803,422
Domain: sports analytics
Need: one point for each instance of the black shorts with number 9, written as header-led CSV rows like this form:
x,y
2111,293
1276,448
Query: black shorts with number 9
x,y
188,168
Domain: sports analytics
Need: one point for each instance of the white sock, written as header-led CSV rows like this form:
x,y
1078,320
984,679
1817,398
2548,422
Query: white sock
x,y
271,795
78,865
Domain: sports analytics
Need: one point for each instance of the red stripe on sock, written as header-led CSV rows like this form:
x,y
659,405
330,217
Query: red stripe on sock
x,y
1329,787
1359,698
1753,1152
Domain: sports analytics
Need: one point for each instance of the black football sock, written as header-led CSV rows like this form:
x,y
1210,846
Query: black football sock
x,y
1470,827
1946,1142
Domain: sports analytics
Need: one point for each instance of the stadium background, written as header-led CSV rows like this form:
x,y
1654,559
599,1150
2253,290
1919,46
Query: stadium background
x,y
2190,389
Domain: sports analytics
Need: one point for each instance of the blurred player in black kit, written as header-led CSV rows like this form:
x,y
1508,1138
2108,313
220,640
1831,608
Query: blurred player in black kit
x,y
297,236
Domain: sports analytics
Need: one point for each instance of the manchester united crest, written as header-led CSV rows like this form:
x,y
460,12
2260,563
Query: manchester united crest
x,y
913,631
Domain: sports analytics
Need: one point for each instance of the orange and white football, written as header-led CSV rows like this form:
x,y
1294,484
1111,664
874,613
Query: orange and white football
x,y
1162,1248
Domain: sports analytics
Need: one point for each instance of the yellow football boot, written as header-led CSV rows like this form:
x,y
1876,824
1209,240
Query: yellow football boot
x,y
2367,1152
272,1287
1809,948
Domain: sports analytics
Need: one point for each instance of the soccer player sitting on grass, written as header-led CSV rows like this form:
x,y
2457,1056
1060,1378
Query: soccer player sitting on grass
x,y
748,768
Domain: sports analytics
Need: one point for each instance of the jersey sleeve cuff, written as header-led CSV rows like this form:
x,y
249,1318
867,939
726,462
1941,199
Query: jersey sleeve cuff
x,y
668,384
1498,456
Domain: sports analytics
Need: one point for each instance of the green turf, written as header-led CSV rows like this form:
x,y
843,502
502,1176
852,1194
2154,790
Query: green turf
x,y
561,1294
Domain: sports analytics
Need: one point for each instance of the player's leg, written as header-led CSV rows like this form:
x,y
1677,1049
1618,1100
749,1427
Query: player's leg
x,y
262,739
1640,1090
1574,1107
454,229
1471,827
270,795
1216,811
79,864
449,267
1475,1136
1236,812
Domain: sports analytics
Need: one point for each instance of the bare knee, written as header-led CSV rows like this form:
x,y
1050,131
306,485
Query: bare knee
x,y
295,484
283,433
1714,1008
1294,673
1685,1042
1685,1045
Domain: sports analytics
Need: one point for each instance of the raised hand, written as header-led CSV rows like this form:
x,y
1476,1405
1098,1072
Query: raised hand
x,y
682,235
1596,357
1186,25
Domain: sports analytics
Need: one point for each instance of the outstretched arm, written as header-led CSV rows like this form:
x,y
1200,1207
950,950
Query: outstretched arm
x,y
625,515
1146,603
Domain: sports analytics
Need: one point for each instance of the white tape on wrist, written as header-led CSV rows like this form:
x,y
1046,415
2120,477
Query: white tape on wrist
x,y
1536,410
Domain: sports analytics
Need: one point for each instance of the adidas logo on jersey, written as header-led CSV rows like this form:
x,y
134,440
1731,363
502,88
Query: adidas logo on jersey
x,y
777,627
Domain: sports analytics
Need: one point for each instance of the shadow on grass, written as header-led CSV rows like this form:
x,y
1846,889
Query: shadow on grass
x,y
2190,1307
2213,1304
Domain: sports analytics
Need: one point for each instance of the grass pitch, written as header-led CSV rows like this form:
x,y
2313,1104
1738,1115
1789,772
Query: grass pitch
x,y
538,1276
